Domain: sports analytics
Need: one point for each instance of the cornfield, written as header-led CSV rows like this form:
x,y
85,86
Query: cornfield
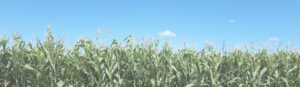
x,y
132,64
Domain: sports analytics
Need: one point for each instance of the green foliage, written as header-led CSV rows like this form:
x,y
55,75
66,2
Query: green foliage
x,y
49,63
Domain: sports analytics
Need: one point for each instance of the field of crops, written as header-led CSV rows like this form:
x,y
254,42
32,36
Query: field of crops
x,y
132,64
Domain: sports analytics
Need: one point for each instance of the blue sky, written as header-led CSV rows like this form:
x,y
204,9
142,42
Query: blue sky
x,y
194,21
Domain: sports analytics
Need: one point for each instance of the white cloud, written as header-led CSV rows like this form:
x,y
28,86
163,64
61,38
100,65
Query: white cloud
x,y
274,39
83,37
167,33
231,21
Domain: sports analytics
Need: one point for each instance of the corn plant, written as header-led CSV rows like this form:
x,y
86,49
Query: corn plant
x,y
141,64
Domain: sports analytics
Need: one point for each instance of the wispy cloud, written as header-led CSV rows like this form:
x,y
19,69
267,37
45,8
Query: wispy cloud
x,y
167,33
274,39
83,37
232,21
